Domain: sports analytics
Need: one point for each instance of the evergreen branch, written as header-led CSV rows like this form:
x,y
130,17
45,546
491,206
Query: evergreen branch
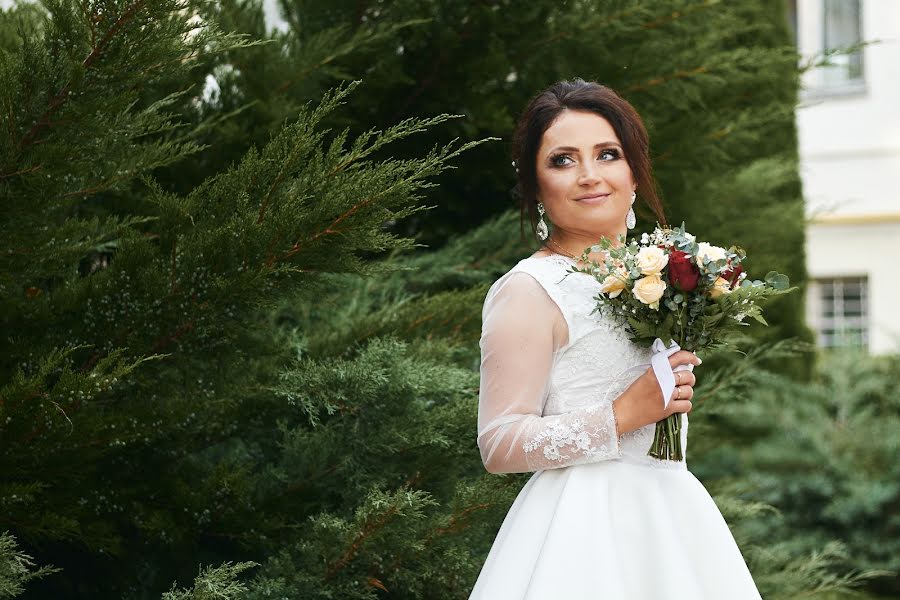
x,y
665,20
219,583
663,79
331,228
436,66
452,527
16,568
25,171
595,24
328,103
362,148
63,94
351,552
341,49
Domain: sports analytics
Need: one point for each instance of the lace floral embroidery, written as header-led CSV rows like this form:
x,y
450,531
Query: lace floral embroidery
x,y
589,438
589,373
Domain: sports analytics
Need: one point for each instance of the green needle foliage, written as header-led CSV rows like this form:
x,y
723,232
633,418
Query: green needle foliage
x,y
719,110
129,354
218,348
16,568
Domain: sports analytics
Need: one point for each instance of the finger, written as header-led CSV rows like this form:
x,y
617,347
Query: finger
x,y
678,406
685,378
683,357
682,392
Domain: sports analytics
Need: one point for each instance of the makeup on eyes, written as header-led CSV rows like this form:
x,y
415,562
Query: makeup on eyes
x,y
554,157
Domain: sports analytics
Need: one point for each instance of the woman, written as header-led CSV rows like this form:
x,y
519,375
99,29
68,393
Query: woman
x,y
566,395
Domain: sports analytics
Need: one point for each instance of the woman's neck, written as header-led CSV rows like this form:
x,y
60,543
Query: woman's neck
x,y
572,244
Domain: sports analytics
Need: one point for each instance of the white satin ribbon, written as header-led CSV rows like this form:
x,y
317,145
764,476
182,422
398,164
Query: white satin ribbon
x,y
665,375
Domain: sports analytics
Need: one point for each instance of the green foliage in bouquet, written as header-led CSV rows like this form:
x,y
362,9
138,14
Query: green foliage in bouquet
x,y
671,288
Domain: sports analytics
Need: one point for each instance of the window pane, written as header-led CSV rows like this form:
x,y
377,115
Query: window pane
x,y
841,27
842,317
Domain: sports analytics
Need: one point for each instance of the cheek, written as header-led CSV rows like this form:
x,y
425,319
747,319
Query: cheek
x,y
623,175
552,183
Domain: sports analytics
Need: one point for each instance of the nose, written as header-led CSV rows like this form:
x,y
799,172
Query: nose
x,y
589,173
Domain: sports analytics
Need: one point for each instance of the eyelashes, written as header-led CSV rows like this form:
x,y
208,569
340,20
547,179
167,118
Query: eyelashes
x,y
556,159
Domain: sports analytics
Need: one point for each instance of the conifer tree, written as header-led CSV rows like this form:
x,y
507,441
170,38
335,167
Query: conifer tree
x,y
219,350
131,359
716,83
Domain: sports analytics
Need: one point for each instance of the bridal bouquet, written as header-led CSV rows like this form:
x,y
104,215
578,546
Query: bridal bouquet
x,y
672,292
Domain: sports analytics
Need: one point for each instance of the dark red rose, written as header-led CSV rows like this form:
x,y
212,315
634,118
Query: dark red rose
x,y
732,275
683,274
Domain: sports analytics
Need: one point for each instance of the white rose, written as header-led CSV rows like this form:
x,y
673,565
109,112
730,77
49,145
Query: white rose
x,y
649,290
708,251
652,260
614,283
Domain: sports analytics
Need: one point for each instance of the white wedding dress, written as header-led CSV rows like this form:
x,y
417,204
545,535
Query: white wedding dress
x,y
599,519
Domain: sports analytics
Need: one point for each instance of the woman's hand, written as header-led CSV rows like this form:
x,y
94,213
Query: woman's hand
x,y
642,403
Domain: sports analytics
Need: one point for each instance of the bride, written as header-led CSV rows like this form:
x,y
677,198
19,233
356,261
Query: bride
x,y
566,395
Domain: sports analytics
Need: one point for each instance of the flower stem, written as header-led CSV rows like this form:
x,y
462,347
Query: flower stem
x,y
667,439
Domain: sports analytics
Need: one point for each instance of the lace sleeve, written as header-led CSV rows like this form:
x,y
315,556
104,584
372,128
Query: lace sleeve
x,y
522,329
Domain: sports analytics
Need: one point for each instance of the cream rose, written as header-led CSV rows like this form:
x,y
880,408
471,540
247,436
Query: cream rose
x,y
720,286
706,250
649,290
652,260
614,283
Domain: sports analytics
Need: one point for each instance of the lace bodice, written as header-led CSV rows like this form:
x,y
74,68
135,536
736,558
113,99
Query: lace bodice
x,y
550,371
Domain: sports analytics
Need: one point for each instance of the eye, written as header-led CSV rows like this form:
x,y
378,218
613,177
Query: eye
x,y
558,160
612,152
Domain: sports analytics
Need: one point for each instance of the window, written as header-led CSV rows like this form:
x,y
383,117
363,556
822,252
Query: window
x,y
791,17
841,27
839,310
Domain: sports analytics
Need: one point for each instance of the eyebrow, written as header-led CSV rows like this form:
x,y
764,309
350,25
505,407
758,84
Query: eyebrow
x,y
573,149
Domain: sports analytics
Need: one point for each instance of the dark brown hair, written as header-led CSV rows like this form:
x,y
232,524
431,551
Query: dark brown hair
x,y
589,96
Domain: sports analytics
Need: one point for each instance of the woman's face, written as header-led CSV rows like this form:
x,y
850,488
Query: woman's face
x,y
583,178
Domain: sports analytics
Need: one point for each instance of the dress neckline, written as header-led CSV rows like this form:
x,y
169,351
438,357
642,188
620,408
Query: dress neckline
x,y
556,256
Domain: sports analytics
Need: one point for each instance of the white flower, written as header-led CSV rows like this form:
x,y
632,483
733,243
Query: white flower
x,y
649,290
614,283
708,251
651,260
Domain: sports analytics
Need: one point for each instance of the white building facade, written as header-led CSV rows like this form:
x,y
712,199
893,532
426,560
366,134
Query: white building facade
x,y
849,136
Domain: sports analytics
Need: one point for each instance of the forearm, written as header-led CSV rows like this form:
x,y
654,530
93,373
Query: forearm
x,y
536,443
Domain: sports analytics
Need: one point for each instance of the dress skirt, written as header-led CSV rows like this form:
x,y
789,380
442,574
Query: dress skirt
x,y
614,530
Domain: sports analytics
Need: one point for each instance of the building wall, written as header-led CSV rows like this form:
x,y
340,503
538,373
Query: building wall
x,y
850,161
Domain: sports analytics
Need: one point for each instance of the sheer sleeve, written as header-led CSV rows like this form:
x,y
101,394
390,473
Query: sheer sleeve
x,y
522,330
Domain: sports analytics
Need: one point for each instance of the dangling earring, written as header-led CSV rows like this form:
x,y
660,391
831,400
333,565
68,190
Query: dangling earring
x,y
542,231
630,220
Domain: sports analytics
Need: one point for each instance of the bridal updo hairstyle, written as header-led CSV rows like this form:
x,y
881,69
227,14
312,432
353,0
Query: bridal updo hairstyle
x,y
587,96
